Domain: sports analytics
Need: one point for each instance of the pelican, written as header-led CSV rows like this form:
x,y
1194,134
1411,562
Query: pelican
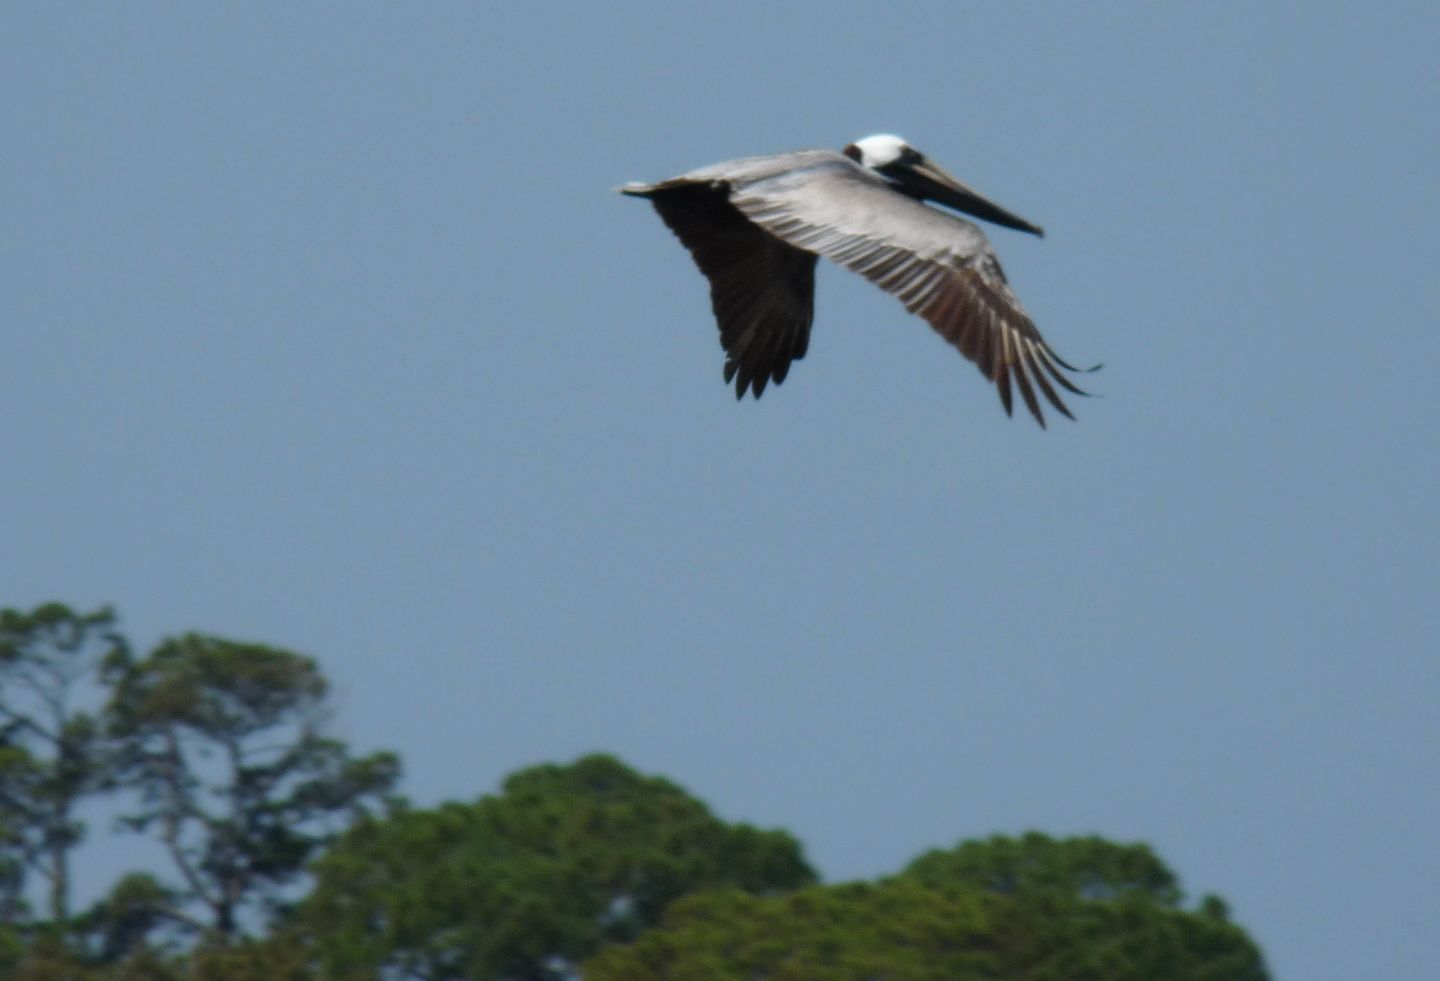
x,y
756,227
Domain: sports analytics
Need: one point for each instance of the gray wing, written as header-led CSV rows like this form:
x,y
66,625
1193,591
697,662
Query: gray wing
x,y
940,266
762,290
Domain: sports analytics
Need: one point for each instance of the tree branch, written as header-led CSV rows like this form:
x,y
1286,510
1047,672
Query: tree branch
x,y
173,817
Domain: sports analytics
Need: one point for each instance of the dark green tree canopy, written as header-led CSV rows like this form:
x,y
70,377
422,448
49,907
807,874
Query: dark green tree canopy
x,y
565,860
896,931
218,750
1085,868
1031,909
1086,907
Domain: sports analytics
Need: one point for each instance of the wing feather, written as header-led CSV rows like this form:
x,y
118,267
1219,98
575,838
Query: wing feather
x,y
939,266
761,288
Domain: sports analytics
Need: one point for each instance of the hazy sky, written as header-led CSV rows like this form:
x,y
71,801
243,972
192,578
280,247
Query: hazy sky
x,y
323,327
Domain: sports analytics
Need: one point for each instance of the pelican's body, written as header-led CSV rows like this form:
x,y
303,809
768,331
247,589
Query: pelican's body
x,y
757,225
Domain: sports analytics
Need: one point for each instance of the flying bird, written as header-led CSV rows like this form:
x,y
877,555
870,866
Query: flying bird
x,y
756,227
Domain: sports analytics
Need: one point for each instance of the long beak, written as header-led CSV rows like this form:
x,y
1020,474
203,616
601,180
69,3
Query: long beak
x,y
928,181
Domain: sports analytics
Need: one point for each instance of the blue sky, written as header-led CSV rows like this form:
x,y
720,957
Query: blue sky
x,y
323,327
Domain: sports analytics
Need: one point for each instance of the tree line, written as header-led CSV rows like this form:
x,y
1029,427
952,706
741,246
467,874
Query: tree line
x,y
286,855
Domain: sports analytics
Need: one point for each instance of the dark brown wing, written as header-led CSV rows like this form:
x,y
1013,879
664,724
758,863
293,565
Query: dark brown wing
x,y
762,290
940,266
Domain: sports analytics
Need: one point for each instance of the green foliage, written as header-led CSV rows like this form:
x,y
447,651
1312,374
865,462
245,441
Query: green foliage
x,y
43,958
122,922
1031,909
566,860
46,959
222,743
897,931
278,958
1083,908
1084,868
52,754
220,748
